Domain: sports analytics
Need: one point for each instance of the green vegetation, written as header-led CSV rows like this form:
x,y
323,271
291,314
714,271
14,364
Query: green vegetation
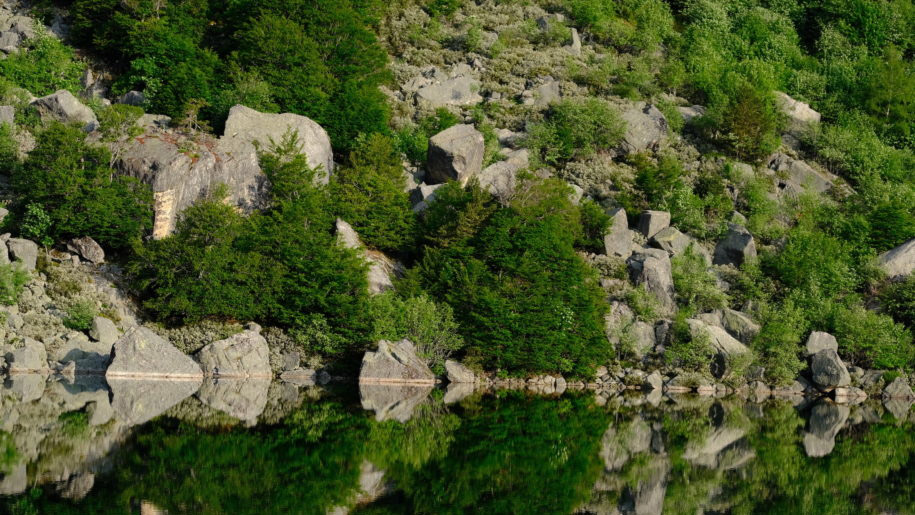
x,y
12,281
45,66
575,128
430,326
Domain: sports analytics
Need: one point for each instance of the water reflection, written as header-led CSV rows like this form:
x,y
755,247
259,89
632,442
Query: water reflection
x,y
83,446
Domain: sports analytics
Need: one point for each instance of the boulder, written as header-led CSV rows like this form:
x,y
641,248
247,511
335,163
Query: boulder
x,y
30,357
819,340
676,243
651,268
455,154
652,222
242,355
543,95
618,240
7,115
800,115
9,41
653,382
794,176
141,353
736,247
179,176
104,331
575,45
88,249
689,113
423,195
827,370
300,376
381,268
899,262
458,373
62,106
737,323
133,98
395,363
898,389
726,347
457,91
243,399
500,178
646,128
23,250
826,420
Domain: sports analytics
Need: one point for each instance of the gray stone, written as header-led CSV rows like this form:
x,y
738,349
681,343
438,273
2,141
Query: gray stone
x,y
104,331
77,487
88,249
137,401
654,381
544,94
392,401
500,178
795,176
827,369
618,240
646,128
30,357
899,408
133,98
10,41
455,154
23,250
819,340
7,115
652,268
826,420
736,247
690,113
676,243
381,268
300,376
23,25
424,193
141,353
800,115
62,106
241,355
395,363
898,389
726,347
458,91
458,373
575,46
15,481
456,392
736,323
652,222
900,261
243,399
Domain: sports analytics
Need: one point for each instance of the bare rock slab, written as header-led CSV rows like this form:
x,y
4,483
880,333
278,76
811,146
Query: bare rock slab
x,y
395,363
242,355
900,261
141,353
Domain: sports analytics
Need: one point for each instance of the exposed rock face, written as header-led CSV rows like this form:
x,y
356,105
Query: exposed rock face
x,y
62,106
137,401
652,222
899,262
455,154
726,346
458,91
392,401
898,389
243,399
542,95
88,249
654,381
651,268
689,113
382,269
422,196
826,420
795,176
133,98
818,341
23,250
736,247
646,127
179,177
621,325
141,353
500,178
458,373
800,115
618,240
241,355
676,243
395,363
736,323
827,369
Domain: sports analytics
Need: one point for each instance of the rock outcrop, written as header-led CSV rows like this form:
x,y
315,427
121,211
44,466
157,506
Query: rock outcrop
x,y
457,91
653,222
141,353
500,178
62,106
618,240
646,128
88,249
382,269
726,347
23,250
898,389
736,247
239,356
794,176
820,341
458,373
900,261
395,363
455,154
827,370
652,268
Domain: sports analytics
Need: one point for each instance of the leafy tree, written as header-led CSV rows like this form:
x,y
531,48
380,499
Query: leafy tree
x,y
429,325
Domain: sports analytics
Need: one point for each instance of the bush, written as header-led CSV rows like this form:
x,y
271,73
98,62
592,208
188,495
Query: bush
x,y
753,122
690,351
695,284
72,183
43,66
12,281
872,340
429,325
778,344
80,315
575,128
899,302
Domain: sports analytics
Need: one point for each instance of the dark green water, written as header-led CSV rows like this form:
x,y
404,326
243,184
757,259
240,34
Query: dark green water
x,y
319,451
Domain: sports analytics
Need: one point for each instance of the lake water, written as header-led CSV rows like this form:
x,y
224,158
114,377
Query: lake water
x,y
261,447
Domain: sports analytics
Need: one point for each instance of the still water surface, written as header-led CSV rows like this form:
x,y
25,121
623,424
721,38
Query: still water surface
x,y
261,447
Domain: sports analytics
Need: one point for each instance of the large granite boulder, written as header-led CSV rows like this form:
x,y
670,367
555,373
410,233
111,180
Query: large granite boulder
x,y
455,154
652,222
828,371
646,128
457,91
500,178
30,357
618,240
737,323
900,261
898,389
242,355
88,249
458,373
736,247
727,348
181,170
795,176
819,341
104,331
801,117
652,269
23,250
676,243
395,363
141,353
62,106
627,333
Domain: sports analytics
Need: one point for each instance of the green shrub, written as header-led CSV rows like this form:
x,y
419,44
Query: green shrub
x,y
429,325
43,66
414,140
899,302
695,284
778,344
752,121
595,222
12,281
36,224
575,128
872,340
689,351
80,315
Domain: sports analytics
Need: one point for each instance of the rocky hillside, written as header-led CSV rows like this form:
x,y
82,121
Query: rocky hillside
x,y
704,196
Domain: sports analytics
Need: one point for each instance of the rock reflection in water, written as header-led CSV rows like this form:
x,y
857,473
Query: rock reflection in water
x,y
244,399
392,402
136,401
